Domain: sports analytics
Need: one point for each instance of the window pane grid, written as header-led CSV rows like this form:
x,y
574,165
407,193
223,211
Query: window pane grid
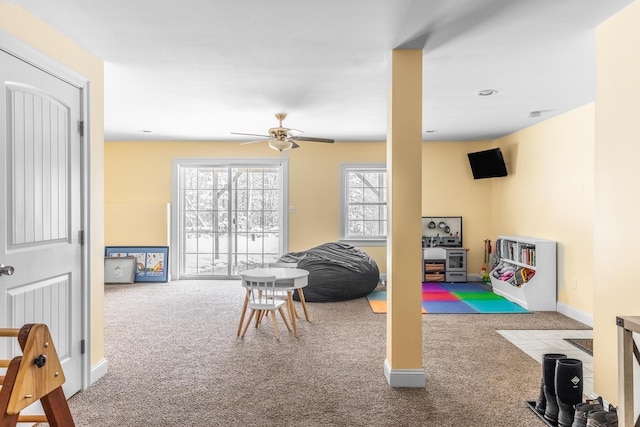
x,y
365,203
230,219
257,213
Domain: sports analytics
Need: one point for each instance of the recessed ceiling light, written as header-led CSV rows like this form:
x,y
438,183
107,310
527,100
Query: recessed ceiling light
x,y
145,131
430,131
487,92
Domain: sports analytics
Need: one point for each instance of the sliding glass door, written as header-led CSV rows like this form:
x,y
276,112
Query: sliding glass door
x,y
230,216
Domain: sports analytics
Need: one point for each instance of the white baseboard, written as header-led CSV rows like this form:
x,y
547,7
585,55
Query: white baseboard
x,y
474,277
575,314
414,378
98,371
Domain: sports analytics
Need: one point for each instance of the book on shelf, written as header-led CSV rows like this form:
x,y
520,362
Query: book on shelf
x,y
528,255
516,251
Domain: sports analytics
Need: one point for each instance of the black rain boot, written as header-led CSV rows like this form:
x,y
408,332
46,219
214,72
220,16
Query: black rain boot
x,y
548,381
541,402
568,384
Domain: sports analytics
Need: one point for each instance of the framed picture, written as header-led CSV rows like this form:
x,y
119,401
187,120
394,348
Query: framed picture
x,y
119,269
151,261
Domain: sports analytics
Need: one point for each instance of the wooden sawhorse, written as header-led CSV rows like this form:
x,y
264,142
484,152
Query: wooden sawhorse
x,y
36,375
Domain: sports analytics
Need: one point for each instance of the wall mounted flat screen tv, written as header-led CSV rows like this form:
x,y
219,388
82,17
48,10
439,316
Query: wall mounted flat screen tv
x,y
487,164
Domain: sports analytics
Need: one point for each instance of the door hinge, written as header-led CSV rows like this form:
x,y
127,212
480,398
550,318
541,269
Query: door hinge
x,y
81,237
82,346
81,127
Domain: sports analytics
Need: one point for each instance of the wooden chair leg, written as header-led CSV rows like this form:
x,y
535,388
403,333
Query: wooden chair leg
x,y
294,312
244,311
284,318
246,325
275,327
261,314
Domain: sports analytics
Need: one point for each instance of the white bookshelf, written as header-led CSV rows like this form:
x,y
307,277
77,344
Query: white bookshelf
x,y
525,255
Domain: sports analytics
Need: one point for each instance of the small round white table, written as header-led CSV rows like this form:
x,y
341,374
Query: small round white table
x,y
288,279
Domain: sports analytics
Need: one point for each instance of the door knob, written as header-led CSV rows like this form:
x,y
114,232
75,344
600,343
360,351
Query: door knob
x,y
6,270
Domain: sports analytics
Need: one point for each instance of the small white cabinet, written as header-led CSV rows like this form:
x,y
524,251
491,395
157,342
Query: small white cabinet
x,y
444,264
526,272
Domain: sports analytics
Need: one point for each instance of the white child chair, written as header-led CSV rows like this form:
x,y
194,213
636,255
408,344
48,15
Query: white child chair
x,y
262,298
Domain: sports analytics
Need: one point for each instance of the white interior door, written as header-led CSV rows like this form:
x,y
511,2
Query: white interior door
x,y
41,210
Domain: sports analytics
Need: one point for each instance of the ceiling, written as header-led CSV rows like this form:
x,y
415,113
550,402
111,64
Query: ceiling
x,y
201,69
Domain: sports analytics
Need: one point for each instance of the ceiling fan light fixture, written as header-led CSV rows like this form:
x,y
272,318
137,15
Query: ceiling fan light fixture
x,y
281,145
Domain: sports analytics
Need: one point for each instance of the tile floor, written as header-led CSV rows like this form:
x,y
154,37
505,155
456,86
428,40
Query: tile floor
x,y
535,343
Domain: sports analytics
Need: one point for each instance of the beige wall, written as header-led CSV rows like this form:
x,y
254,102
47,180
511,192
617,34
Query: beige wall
x,y
448,189
136,210
556,203
29,29
137,191
617,210
549,194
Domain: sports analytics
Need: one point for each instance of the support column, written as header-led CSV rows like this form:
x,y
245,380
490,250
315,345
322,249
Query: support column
x,y
403,364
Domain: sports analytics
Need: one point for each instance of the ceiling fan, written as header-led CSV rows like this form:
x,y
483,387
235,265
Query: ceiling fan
x,y
281,139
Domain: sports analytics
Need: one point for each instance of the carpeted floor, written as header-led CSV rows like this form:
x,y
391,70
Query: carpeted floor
x,y
174,360
450,298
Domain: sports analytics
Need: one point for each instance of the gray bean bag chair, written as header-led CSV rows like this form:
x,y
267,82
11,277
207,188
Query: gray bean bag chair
x,y
337,272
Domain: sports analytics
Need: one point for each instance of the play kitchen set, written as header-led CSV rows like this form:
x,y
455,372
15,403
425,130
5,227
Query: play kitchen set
x,y
443,257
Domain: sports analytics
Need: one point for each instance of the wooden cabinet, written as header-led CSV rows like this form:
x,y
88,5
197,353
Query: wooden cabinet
x,y
525,272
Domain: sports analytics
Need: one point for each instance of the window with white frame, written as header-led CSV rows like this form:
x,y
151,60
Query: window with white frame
x,y
230,215
364,203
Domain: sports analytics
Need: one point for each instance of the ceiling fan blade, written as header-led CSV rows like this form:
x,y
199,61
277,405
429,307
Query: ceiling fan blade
x,y
280,138
250,134
311,139
253,142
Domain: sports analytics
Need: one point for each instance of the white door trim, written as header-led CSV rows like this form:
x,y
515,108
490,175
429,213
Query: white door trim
x,y
16,47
